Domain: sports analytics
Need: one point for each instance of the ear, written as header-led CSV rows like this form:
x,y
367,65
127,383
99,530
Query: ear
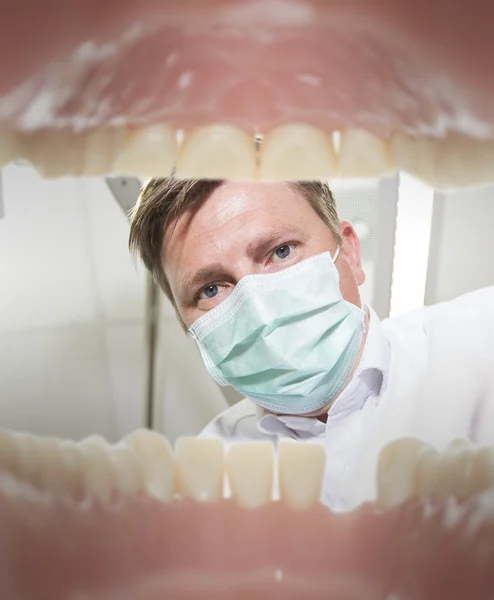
x,y
351,251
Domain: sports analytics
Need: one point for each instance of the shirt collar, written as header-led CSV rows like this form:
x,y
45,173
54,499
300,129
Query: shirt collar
x,y
376,353
370,378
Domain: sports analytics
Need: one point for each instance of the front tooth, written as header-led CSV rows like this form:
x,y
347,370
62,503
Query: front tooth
x,y
217,152
97,469
53,153
8,148
396,471
250,468
30,458
300,473
156,459
409,468
33,459
64,153
449,163
102,148
128,472
9,453
54,474
483,470
73,465
44,462
362,154
201,468
148,152
455,470
427,472
297,152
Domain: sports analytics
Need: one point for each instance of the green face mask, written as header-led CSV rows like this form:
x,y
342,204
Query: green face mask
x,y
287,340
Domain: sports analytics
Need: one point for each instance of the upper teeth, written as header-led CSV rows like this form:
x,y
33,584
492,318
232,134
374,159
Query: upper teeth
x,y
217,152
297,152
290,152
362,154
453,162
146,151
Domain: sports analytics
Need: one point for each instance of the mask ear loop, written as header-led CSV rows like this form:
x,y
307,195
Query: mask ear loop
x,y
333,258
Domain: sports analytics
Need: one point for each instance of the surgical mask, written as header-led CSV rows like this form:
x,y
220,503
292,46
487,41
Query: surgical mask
x,y
287,340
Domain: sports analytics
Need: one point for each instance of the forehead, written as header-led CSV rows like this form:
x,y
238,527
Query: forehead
x,y
234,204
228,219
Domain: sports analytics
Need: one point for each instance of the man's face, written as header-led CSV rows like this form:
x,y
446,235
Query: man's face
x,y
246,229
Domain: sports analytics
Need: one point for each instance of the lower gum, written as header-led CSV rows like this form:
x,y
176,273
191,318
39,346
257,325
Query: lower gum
x,y
139,548
195,584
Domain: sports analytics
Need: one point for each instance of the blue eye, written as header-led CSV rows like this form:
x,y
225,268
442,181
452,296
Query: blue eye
x,y
210,291
283,251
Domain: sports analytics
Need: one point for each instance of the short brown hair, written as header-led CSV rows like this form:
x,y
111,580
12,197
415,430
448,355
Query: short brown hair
x,y
164,199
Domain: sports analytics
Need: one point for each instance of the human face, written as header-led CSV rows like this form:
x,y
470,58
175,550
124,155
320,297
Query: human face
x,y
246,229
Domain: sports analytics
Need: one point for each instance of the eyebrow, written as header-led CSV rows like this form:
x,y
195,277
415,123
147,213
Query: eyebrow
x,y
268,241
195,279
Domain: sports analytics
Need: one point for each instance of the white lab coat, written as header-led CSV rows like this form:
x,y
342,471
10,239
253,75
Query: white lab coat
x,y
439,386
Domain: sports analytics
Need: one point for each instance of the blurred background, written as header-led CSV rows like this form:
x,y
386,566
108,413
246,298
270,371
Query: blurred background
x,y
87,346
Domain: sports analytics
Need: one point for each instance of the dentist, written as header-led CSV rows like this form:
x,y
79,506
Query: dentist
x,y
266,279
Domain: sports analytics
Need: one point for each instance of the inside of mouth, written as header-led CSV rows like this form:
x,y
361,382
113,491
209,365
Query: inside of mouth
x,y
58,548
322,94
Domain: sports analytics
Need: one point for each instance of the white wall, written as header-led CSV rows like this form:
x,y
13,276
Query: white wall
x,y
461,255
73,351
186,397
351,207
371,206
71,310
411,248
